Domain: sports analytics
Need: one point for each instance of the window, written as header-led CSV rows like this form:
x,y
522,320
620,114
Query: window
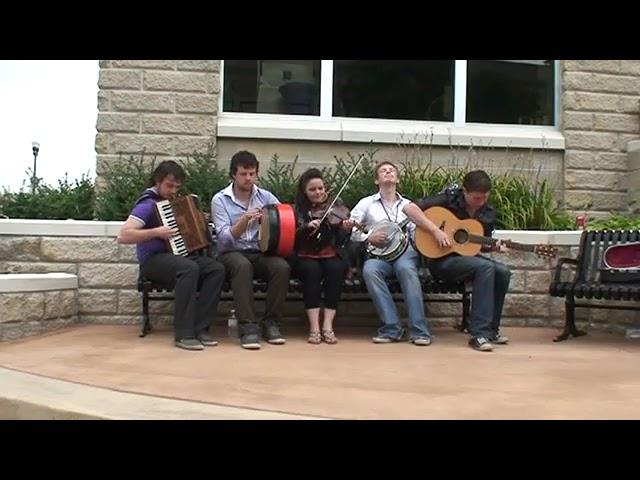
x,y
464,102
510,91
272,86
398,90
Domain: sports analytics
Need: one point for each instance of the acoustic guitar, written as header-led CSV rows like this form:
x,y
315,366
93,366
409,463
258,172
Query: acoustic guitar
x,y
467,237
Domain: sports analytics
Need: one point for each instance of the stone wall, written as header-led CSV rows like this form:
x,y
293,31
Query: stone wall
x,y
167,108
36,305
107,275
601,114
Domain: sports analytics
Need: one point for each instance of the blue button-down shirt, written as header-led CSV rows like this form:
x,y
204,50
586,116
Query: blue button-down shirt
x,y
226,210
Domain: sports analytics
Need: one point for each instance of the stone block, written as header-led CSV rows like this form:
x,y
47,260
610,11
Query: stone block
x,y
85,249
97,301
103,275
20,307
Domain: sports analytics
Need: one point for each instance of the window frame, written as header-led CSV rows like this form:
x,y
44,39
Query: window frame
x,y
325,127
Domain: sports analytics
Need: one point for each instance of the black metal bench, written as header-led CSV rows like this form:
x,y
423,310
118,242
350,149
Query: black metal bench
x,y
587,282
354,290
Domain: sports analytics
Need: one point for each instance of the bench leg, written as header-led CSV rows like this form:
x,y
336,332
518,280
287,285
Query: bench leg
x,y
146,321
466,308
570,321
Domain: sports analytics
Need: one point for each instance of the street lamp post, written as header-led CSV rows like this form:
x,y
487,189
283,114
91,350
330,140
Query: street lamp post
x,y
35,146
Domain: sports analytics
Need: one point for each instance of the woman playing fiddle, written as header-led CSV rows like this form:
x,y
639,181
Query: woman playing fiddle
x,y
321,258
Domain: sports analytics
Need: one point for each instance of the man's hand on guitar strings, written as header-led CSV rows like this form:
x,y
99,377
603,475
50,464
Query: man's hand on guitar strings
x,y
442,238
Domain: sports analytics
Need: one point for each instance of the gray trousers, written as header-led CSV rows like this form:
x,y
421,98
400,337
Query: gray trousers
x,y
193,314
241,268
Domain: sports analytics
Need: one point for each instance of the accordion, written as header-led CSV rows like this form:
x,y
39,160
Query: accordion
x,y
184,214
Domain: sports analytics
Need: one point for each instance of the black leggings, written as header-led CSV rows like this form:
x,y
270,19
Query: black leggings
x,y
312,271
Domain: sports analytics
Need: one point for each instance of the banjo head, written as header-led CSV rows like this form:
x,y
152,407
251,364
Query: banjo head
x,y
396,244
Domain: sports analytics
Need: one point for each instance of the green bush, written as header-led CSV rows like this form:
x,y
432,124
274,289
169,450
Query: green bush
x,y
204,177
522,202
280,179
68,200
615,222
124,182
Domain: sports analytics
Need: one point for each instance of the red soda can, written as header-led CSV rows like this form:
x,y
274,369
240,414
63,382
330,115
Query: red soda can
x,y
581,222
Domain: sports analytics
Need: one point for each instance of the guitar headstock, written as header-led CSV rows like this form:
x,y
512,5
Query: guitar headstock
x,y
547,251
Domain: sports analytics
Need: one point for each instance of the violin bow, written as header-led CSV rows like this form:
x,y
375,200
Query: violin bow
x,y
326,213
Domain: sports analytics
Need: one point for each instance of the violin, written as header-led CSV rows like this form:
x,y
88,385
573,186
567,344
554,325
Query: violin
x,y
333,213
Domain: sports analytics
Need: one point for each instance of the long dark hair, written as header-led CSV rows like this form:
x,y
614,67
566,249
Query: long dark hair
x,y
301,200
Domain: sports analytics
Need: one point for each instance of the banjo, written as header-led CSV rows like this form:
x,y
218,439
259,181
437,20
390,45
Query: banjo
x,y
397,240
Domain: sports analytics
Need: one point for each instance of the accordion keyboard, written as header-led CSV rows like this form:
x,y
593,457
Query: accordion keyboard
x,y
168,219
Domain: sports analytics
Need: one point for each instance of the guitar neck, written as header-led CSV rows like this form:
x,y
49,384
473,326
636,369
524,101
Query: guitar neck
x,y
491,242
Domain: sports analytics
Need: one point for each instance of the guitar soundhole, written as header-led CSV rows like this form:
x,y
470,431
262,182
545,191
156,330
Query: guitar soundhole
x,y
461,236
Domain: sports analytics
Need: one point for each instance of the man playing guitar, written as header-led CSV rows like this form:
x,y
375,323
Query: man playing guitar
x,y
387,205
490,278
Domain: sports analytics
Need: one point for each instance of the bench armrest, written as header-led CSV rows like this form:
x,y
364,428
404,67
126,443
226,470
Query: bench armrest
x,y
561,262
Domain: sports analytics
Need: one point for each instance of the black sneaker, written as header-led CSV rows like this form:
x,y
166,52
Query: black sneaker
x,y
271,334
189,344
499,339
481,344
250,336
207,340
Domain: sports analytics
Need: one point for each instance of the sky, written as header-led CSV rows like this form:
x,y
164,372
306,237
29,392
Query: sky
x,y
53,102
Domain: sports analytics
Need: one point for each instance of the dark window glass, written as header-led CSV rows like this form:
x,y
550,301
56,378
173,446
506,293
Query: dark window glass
x,y
510,91
394,89
272,86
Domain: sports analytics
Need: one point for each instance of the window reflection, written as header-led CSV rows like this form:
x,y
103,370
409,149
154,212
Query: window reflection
x,y
272,86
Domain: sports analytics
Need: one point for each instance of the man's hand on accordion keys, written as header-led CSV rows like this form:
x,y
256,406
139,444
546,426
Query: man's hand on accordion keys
x,y
166,233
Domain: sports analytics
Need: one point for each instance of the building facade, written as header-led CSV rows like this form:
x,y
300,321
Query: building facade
x,y
568,120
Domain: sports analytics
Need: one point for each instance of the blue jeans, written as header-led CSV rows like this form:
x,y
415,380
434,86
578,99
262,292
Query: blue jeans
x,y
405,268
490,285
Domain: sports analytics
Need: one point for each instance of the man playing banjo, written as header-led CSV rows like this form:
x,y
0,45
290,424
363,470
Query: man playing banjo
x,y
390,253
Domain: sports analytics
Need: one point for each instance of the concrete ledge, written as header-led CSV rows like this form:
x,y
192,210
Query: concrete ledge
x,y
89,228
31,397
633,146
59,228
37,282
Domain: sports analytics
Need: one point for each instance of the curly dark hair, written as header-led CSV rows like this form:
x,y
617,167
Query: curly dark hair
x,y
164,169
301,197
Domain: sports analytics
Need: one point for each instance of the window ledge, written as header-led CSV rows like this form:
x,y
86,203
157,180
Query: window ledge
x,y
286,127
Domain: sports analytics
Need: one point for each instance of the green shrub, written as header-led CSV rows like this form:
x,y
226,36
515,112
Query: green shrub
x,y
361,183
615,222
204,177
73,200
124,182
522,202
280,179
